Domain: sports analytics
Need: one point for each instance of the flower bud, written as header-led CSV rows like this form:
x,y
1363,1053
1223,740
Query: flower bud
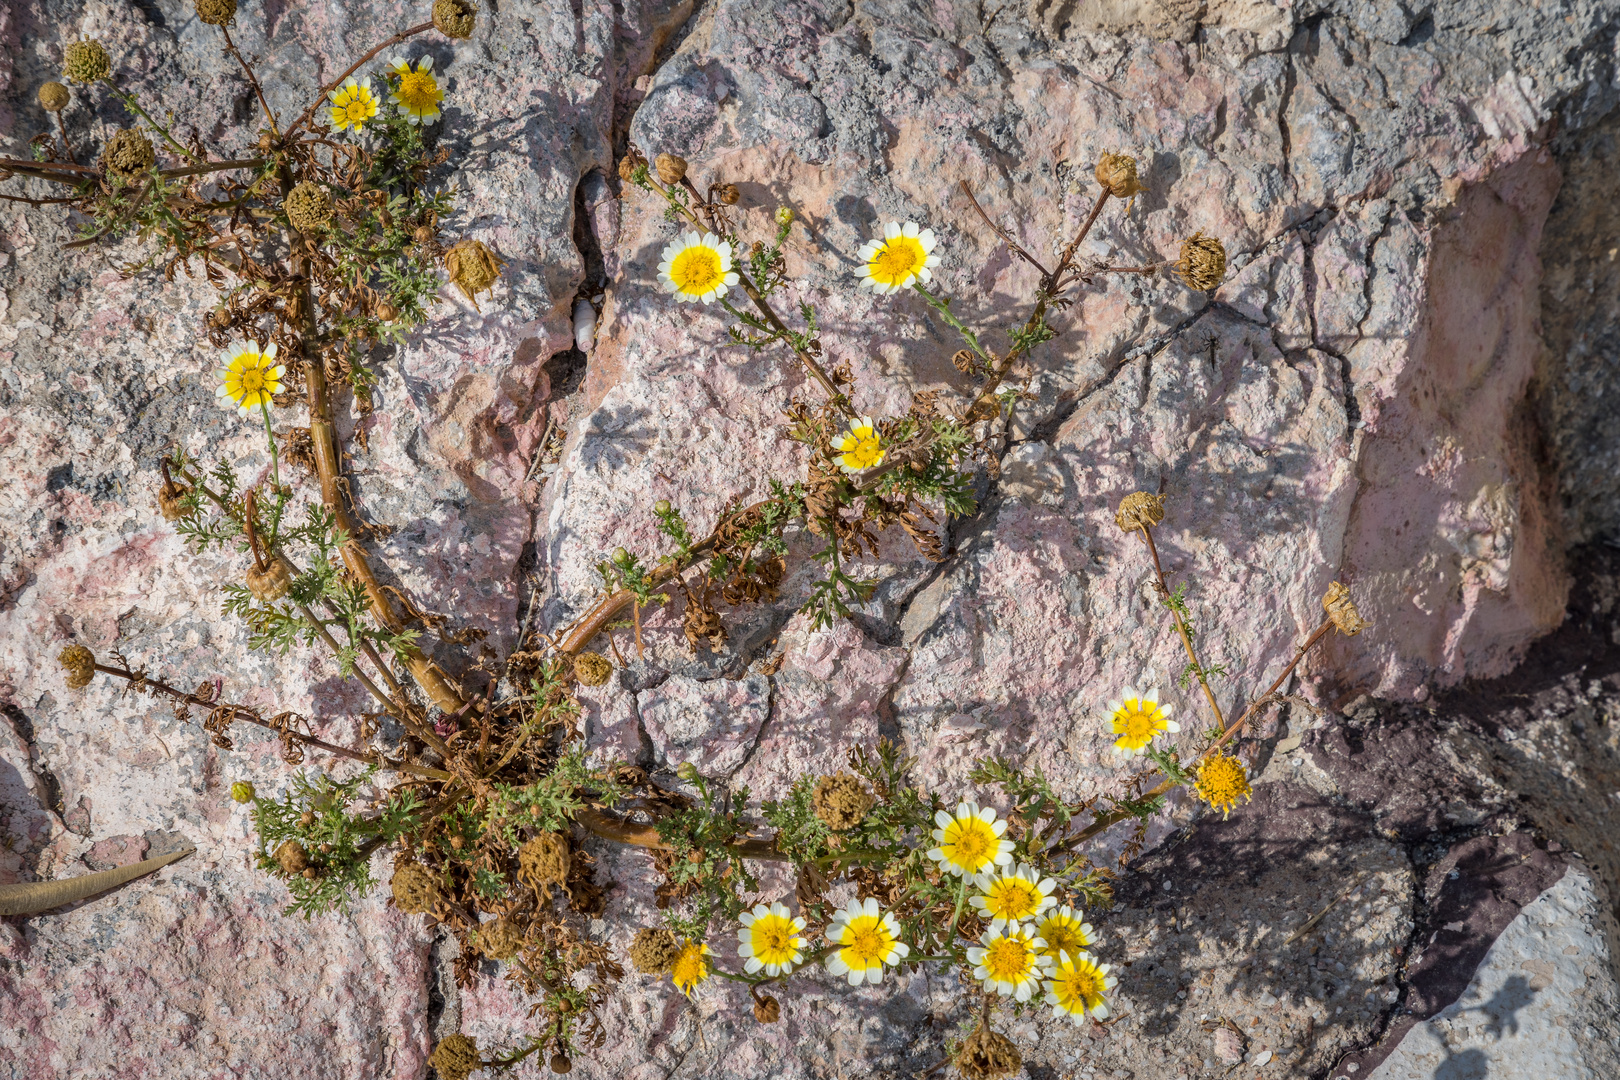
x,y
86,62
1342,610
1203,262
621,557
53,97
1117,174
473,269
1139,509
455,18
728,194
216,12
308,206
671,169
80,663
784,215
242,792
661,506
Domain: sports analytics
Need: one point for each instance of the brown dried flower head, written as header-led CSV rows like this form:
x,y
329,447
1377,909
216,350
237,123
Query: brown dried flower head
x,y
1139,509
216,12
456,1057
628,164
654,950
501,939
543,861
86,62
767,1010
670,168
128,154
1117,174
841,801
592,669
1342,610
986,1054
53,97
473,269
415,892
308,206
560,1063
728,194
292,857
171,499
80,663
455,18
270,583
1203,262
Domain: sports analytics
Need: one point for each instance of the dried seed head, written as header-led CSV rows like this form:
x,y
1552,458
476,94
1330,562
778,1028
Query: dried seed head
x,y
473,269
306,819
53,97
986,1054
728,194
560,1063
271,583
422,235
387,312
655,950
310,873
267,142
456,1057
501,939
216,12
1139,509
325,849
171,500
85,62
457,843
784,215
455,18
1342,610
415,892
592,669
242,792
308,206
767,1010
292,857
1117,174
671,169
543,861
219,318
1203,262
128,154
80,663
841,801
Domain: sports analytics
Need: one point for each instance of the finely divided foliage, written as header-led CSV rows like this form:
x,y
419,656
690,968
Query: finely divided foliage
x,y
323,240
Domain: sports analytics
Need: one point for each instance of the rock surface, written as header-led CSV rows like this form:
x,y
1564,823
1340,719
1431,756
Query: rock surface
x,y
1367,397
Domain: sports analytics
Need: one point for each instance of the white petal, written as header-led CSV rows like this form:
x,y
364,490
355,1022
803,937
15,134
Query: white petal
x,y
874,975
425,64
752,965
999,827
941,818
836,965
1101,1011
909,229
730,280
891,230
927,239
1172,727
925,275
867,250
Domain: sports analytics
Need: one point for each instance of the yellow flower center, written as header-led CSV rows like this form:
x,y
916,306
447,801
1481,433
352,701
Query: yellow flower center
x,y
1222,781
689,969
1074,985
355,110
1062,937
252,380
1012,898
1137,720
418,91
969,843
866,942
773,940
696,270
897,260
1008,959
867,449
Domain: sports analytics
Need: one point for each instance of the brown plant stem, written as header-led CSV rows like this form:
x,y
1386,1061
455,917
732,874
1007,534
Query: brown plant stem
x,y
61,125
352,68
1299,654
1181,627
230,47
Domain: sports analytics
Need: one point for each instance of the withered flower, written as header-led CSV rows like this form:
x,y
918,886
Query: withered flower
x,y
628,164
1342,610
415,892
1139,509
171,497
216,12
1203,262
271,581
80,663
86,61
986,1054
728,194
1117,174
292,857
456,1057
561,1064
128,154
308,206
655,950
501,939
543,861
473,269
53,97
671,169
455,18
767,1010
841,801
592,669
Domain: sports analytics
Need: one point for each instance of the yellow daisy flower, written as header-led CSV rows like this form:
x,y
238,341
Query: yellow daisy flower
x,y
1077,986
690,968
1065,932
418,94
904,255
1222,783
870,938
353,104
1013,897
861,446
1137,719
971,841
1010,963
697,267
250,377
770,939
